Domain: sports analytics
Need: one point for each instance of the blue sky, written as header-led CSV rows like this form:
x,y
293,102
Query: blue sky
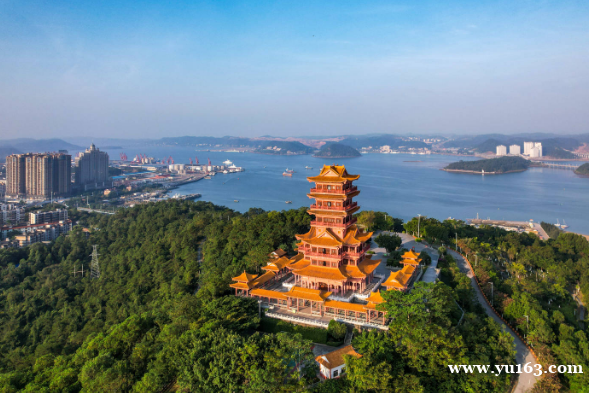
x,y
151,69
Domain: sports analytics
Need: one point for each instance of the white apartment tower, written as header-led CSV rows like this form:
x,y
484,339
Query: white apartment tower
x,y
515,150
528,146
501,150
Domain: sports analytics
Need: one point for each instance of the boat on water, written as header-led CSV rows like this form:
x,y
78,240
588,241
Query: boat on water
x,y
290,170
564,224
225,172
288,202
308,167
235,200
208,177
557,223
287,174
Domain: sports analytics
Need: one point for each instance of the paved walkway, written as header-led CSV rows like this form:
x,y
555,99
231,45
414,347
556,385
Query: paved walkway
x,y
523,355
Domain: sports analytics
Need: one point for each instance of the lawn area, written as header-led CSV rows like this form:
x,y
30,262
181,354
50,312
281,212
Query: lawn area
x,y
272,325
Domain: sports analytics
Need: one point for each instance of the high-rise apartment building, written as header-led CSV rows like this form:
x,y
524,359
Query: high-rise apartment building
x,y
515,150
501,150
38,175
528,146
92,170
538,146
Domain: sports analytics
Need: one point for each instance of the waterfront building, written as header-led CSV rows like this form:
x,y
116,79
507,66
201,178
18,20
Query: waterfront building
x,y
40,217
331,266
501,150
515,150
332,365
38,175
536,151
92,170
528,146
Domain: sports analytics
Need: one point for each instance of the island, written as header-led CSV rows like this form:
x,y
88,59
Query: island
x,y
493,166
284,148
583,170
337,150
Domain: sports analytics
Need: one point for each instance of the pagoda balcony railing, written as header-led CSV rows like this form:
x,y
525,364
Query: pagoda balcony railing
x,y
356,254
320,254
341,192
333,224
338,208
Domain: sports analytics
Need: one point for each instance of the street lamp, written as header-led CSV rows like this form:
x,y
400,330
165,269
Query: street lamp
x,y
418,222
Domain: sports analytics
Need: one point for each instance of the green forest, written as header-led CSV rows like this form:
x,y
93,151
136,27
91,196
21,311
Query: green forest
x,y
497,165
530,277
161,316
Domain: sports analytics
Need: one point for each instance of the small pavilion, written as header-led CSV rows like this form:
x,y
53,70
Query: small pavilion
x,y
411,258
400,279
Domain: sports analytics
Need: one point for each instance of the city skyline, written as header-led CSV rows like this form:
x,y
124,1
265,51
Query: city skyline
x,y
232,68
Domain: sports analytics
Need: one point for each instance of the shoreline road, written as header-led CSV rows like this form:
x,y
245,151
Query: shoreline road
x,y
523,355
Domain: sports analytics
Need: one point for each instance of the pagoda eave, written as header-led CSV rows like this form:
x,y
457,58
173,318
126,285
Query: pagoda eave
x,y
334,196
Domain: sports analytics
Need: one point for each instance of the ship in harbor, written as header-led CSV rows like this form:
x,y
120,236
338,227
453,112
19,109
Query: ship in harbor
x,y
290,170
289,174
308,167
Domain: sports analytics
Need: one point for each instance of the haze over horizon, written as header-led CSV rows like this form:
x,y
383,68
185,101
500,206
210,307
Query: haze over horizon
x,y
123,70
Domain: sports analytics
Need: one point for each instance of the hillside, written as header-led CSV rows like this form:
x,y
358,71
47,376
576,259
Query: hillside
x,y
284,148
583,170
493,165
381,140
6,151
337,150
552,146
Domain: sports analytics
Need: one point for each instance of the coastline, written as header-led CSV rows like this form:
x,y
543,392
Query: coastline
x,y
337,156
481,173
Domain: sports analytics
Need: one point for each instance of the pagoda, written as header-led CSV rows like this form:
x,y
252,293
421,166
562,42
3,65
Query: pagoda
x,y
331,264
334,250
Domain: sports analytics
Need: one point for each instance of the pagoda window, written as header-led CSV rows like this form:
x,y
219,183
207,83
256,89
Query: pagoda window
x,y
329,187
324,263
329,204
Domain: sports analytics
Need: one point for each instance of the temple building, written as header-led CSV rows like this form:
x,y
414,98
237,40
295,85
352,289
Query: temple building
x,y
400,279
332,364
335,248
411,258
331,265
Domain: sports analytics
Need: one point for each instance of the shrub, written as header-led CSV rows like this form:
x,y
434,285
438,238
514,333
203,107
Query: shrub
x,y
337,330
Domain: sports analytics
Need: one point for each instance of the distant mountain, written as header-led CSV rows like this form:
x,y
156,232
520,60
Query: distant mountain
x,y
554,147
337,150
27,145
104,143
209,141
381,140
6,151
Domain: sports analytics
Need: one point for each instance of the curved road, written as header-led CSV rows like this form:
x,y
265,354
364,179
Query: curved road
x,y
523,355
